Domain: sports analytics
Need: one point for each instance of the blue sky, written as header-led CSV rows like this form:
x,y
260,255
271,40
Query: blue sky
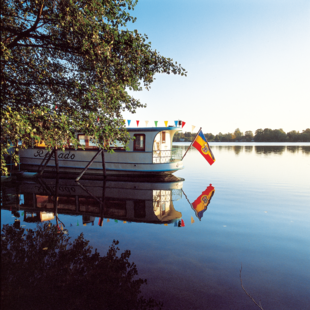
x,y
248,63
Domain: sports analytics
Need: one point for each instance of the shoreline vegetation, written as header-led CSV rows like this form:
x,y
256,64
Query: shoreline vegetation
x,y
261,135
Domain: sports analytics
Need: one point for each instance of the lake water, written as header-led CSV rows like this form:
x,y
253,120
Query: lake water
x,y
258,217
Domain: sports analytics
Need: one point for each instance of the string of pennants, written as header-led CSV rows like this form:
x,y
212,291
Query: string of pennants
x,y
177,123
129,123
177,223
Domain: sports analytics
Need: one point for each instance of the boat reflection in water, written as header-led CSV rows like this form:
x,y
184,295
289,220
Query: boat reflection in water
x,y
131,201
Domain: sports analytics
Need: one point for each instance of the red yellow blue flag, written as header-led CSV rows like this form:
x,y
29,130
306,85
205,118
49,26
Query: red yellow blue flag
x,y
202,145
200,205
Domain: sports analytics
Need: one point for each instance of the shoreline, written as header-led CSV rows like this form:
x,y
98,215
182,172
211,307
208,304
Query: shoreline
x,y
250,143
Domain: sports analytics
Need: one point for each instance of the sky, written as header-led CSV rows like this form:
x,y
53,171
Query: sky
x,y
248,64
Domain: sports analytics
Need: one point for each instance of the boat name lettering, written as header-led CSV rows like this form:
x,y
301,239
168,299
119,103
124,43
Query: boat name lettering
x,y
40,153
52,188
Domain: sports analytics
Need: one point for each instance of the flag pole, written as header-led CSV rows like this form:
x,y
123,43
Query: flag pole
x,y
192,142
210,150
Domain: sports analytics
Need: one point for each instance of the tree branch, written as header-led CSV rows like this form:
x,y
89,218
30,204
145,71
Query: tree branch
x,y
32,28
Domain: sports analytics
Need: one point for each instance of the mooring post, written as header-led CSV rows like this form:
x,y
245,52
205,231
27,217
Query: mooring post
x,y
56,199
56,160
103,164
103,203
78,178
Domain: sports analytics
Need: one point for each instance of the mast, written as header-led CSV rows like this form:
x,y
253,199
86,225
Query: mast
x,y
192,142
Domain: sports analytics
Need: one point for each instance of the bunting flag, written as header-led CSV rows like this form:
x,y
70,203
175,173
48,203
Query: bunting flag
x,y
77,224
182,223
166,123
165,224
183,124
116,221
155,123
193,127
202,145
176,123
84,224
137,123
192,220
146,122
175,224
22,213
108,220
124,222
128,122
100,222
200,205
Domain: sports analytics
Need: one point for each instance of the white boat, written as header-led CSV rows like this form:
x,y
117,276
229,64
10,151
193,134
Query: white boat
x,y
150,152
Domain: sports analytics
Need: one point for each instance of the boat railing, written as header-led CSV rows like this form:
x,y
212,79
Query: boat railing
x,y
167,156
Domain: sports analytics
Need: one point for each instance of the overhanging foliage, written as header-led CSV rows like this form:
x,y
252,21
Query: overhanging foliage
x,y
67,66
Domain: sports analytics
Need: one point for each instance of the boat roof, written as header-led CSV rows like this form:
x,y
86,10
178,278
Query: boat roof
x,y
153,128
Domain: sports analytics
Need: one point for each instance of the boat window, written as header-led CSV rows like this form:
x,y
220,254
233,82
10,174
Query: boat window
x,y
81,139
139,142
92,141
163,137
117,145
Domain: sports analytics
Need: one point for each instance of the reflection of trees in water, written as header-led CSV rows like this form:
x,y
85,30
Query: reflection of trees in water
x,y
237,149
305,149
268,149
248,148
221,147
292,148
295,149
43,269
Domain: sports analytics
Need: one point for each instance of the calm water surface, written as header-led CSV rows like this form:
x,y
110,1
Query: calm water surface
x,y
258,217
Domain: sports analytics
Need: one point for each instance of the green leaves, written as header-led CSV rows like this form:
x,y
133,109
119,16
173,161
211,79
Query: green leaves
x,y
73,55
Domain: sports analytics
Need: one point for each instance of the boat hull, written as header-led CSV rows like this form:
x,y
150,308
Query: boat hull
x,y
74,161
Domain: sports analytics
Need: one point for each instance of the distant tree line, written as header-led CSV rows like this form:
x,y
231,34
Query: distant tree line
x,y
261,135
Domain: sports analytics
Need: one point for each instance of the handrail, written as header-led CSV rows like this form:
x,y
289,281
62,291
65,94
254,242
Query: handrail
x,y
164,156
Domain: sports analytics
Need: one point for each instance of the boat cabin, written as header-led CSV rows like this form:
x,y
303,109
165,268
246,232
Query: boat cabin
x,y
150,151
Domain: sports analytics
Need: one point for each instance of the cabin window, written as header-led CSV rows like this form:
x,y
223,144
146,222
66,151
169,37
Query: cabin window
x,y
82,139
117,145
139,142
163,137
92,141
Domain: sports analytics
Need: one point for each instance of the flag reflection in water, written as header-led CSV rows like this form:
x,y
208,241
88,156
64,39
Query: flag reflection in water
x,y
200,205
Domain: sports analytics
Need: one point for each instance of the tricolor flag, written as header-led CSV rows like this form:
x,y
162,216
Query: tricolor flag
x,y
200,205
202,145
